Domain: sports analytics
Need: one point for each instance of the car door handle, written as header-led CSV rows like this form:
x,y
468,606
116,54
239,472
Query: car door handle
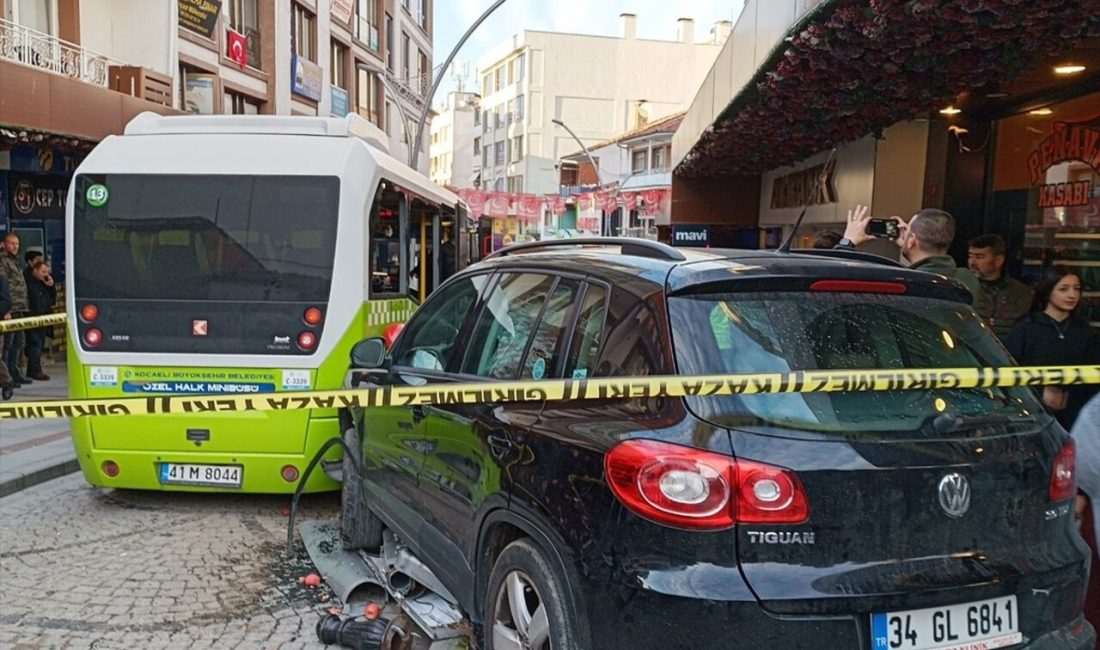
x,y
499,446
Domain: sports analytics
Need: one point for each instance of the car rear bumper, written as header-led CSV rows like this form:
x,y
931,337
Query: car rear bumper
x,y
638,619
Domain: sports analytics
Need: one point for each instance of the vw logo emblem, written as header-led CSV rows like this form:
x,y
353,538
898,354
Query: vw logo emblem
x,y
954,495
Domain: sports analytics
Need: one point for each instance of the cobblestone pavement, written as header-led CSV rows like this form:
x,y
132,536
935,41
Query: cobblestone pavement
x,y
87,568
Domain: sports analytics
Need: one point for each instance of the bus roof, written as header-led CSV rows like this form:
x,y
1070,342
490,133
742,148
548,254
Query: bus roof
x,y
352,125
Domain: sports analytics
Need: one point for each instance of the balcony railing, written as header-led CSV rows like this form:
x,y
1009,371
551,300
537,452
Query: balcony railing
x,y
30,47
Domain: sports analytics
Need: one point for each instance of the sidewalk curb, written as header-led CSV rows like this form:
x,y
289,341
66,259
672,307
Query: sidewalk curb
x,y
41,475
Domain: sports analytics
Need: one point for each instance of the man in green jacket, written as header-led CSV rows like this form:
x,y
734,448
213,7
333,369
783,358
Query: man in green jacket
x,y
923,241
1004,300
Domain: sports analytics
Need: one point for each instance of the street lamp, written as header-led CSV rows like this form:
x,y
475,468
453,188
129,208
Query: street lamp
x,y
591,160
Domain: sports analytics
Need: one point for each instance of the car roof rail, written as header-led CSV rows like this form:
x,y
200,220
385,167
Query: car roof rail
x,y
628,246
843,253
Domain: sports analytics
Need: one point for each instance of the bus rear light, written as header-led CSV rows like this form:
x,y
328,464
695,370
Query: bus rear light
x,y
93,337
290,473
306,340
110,468
313,316
89,313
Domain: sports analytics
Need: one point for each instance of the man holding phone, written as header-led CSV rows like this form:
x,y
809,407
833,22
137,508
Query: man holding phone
x,y
923,241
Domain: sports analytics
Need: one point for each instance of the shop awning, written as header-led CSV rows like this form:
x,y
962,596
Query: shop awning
x,y
849,68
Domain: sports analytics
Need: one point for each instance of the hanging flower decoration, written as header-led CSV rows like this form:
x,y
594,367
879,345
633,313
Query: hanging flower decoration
x,y
854,68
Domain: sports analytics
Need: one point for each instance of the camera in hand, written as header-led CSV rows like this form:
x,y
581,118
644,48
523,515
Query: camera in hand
x,y
883,228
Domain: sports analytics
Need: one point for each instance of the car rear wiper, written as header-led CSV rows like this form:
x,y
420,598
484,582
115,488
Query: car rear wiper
x,y
949,423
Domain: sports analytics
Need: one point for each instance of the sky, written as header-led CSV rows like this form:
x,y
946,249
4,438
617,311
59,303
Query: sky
x,y
656,20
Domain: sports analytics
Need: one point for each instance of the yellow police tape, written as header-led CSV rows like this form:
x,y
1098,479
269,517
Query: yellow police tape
x,y
31,322
610,388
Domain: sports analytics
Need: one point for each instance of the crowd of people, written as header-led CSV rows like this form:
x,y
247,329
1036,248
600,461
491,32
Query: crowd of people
x,y
26,289
1039,326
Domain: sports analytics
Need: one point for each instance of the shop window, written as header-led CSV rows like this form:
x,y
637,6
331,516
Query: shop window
x,y
366,95
243,19
302,28
238,104
1046,193
338,66
366,22
197,90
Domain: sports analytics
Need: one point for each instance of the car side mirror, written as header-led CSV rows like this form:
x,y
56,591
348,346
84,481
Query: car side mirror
x,y
369,354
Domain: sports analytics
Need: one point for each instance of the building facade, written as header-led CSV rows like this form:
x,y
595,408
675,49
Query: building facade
x,y
1004,141
455,142
73,72
596,86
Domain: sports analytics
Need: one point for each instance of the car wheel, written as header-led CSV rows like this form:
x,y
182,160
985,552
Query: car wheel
x,y
359,527
528,603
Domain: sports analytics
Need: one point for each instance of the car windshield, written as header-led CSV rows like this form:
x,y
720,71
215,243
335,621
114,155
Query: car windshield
x,y
735,333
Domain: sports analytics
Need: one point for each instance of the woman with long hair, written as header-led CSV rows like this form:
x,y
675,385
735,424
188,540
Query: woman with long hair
x,y
1053,334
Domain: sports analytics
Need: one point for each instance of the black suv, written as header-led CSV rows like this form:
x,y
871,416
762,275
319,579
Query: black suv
x,y
909,519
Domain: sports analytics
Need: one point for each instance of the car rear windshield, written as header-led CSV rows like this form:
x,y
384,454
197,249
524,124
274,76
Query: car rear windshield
x,y
784,332
205,237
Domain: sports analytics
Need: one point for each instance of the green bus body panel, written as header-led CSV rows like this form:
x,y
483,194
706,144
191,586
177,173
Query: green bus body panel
x,y
262,442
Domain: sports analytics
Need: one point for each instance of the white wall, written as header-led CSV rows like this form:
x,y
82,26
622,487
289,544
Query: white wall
x,y
591,83
137,32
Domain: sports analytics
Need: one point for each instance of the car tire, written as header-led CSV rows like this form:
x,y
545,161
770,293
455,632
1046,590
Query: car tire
x,y
359,527
524,589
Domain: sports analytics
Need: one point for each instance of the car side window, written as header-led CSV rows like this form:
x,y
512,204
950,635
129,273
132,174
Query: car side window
x,y
586,339
547,345
429,339
505,325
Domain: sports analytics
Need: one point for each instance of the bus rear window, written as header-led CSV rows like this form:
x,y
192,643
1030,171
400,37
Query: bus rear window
x,y
206,238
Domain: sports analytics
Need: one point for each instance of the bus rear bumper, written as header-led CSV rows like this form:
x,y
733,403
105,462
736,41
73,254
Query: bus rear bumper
x,y
259,473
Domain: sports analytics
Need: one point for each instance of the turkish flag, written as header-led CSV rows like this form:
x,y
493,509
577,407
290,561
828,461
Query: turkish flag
x,y
499,204
236,47
475,199
630,201
556,203
528,206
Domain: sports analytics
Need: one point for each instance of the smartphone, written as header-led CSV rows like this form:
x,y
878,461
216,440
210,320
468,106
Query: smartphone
x,y
883,228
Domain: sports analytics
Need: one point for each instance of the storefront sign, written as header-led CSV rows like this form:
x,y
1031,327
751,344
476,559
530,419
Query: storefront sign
x,y
46,160
1064,195
794,189
341,10
339,101
200,16
690,235
37,196
307,77
198,92
1067,142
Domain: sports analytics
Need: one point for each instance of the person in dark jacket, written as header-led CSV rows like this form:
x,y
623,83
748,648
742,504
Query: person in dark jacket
x,y
1053,335
41,294
6,383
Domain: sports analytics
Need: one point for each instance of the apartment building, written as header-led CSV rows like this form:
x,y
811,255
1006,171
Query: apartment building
x,y
73,72
597,86
456,140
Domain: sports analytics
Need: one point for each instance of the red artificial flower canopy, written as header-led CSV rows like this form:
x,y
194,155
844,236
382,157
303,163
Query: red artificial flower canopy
x,y
852,68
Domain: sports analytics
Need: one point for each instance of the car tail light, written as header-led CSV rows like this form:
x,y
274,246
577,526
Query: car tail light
x,y
693,489
110,468
290,473
93,337
89,313
1063,477
858,286
313,316
306,340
